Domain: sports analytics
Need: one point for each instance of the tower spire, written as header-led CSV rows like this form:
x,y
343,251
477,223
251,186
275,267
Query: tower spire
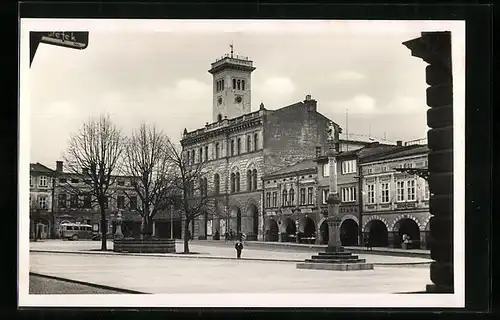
x,y
232,47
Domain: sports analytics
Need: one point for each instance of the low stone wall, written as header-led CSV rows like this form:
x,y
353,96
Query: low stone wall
x,y
144,246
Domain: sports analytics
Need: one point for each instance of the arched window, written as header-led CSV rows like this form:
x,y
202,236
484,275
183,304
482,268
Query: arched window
x,y
206,153
239,85
234,83
249,143
222,84
217,146
201,155
256,142
292,196
254,179
242,84
238,145
233,182
232,147
219,117
249,180
216,183
192,157
284,198
237,182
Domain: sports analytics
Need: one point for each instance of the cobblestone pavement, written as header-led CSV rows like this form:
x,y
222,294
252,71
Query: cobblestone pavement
x,y
160,275
225,251
42,285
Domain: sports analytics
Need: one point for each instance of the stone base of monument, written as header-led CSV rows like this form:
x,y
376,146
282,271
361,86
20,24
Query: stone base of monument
x,y
152,245
335,259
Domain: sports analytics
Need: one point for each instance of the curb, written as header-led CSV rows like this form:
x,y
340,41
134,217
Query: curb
x,y
111,253
90,284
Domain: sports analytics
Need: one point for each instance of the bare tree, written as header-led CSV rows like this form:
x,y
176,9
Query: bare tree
x,y
93,154
191,186
146,164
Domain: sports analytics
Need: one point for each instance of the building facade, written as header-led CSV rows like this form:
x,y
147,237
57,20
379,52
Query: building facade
x,y
40,199
395,203
241,146
72,202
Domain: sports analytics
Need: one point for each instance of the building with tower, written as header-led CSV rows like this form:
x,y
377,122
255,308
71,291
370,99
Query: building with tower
x,y
240,146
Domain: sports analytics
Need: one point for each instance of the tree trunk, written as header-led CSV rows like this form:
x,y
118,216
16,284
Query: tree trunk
x,y
186,237
146,227
104,231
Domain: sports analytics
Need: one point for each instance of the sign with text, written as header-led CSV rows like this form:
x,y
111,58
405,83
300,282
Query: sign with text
x,y
68,39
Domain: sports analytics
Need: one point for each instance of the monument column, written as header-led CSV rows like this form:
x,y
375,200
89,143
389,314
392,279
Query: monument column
x,y
334,244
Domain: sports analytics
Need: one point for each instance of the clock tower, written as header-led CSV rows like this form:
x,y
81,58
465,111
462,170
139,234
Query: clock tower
x,y
231,86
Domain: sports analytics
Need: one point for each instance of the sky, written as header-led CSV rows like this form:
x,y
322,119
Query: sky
x,y
358,72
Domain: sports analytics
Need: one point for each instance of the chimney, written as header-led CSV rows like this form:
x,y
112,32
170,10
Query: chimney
x,y
399,143
310,103
59,166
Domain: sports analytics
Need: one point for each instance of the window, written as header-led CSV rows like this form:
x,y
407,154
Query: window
x,y
325,195
268,199
219,118
31,181
73,203
217,146
310,195
200,158
249,143
249,180
205,187
121,183
408,165
192,156
385,192
275,199
255,142
120,202
206,153
254,178
222,84
349,166
369,170
284,197
238,83
411,190
426,191
234,84
384,169
233,182
42,202
43,181
61,200
400,191
62,180
133,203
292,196
232,147
371,194
217,183
348,194
75,180
302,196
326,170
237,182
238,146
86,200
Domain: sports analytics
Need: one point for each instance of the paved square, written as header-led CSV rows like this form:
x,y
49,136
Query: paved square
x,y
174,275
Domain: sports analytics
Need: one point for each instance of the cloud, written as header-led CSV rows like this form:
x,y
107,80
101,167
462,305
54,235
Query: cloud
x,y
349,76
363,104
280,86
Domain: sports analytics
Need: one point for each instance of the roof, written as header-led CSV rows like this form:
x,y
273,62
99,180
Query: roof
x,y
308,164
355,137
38,167
366,151
399,152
